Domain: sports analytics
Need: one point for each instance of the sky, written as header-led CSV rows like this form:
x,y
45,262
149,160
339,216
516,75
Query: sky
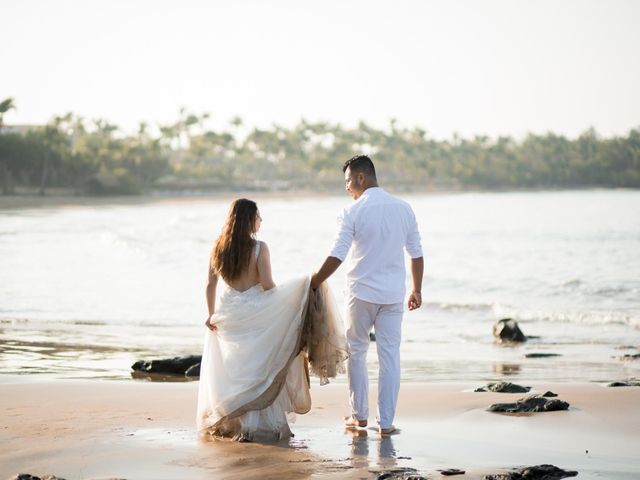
x,y
469,67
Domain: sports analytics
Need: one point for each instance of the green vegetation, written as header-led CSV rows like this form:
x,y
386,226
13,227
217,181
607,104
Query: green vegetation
x,y
96,158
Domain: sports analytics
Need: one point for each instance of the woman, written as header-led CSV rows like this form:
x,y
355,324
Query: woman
x,y
254,370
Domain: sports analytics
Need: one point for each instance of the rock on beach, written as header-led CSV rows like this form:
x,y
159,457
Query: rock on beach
x,y
536,472
503,387
28,476
406,473
173,366
630,356
531,404
507,330
541,355
625,383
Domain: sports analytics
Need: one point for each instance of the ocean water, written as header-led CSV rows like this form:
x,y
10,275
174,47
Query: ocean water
x,y
87,290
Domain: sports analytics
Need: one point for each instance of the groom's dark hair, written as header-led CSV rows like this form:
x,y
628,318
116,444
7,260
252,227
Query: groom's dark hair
x,y
360,163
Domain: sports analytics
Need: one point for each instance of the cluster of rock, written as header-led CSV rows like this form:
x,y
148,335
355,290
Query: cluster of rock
x,y
544,402
536,472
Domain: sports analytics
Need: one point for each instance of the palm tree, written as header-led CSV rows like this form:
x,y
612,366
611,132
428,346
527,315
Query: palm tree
x,y
6,105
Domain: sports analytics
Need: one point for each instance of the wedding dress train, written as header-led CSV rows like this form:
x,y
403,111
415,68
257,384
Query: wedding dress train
x,y
254,374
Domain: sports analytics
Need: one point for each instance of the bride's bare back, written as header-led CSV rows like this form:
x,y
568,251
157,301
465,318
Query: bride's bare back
x,y
258,271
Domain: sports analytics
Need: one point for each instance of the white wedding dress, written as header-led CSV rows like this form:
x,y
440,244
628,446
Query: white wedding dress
x,y
254,374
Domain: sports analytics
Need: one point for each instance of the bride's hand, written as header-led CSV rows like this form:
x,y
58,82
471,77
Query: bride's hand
x,y
211,326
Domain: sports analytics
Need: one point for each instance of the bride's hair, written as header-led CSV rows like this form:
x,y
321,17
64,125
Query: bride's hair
x,y
232,251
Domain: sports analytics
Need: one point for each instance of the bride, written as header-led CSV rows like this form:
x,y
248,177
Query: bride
x,y
254,373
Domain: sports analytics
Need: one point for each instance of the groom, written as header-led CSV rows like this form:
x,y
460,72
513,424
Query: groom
x,y
376,227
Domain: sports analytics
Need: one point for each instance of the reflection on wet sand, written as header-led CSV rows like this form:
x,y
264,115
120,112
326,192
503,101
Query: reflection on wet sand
x,y
361,445
506,368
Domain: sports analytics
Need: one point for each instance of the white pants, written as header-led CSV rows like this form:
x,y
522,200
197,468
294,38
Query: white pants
x,y
361,317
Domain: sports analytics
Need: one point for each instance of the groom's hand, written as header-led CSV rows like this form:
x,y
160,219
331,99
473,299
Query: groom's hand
x,y
329,266
415,300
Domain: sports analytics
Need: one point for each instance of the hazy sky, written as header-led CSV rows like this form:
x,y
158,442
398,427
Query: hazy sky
x,y
473,67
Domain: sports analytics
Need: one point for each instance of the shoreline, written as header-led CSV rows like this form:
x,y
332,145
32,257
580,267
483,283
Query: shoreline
x,y
124,429
66,198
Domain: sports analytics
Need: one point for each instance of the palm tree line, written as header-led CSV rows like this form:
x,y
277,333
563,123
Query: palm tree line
x,y
95,157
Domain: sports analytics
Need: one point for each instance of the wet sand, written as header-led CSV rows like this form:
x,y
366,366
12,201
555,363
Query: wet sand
x,y
143,430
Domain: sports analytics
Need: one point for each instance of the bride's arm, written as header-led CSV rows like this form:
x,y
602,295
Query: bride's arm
x,y
210,294
264,268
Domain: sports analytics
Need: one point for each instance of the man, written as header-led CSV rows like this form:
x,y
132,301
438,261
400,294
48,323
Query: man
x,y
378,226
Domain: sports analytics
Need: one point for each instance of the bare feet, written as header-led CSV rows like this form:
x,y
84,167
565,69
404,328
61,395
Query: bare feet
x,y
387,431
352,422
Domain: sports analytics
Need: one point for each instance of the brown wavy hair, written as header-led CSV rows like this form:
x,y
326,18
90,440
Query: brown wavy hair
x,y
232,251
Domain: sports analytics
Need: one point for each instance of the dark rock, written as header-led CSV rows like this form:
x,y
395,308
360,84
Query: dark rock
x,y
372,336
400,474
533,403
175,366
452,471
507,330
503,387
542,355
193,371
27,476
549,394
630,356
537,472
625,383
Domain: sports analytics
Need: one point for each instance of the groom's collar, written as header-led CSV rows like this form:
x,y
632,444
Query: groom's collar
x,y
371,190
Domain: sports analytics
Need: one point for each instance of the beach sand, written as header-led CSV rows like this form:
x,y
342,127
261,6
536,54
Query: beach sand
x,y
79,429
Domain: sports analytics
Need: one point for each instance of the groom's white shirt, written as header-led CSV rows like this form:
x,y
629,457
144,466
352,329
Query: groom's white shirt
x,y
379,226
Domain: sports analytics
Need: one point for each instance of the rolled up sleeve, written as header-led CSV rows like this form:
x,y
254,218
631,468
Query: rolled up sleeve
x,y
414,244
344,238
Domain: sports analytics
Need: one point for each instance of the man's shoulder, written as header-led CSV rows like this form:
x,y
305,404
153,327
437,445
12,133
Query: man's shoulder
x,y
388,198
374,200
